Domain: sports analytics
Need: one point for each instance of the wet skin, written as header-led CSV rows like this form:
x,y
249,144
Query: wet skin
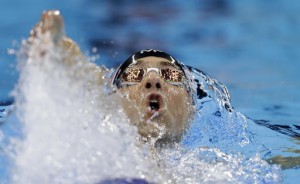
x,y
157,108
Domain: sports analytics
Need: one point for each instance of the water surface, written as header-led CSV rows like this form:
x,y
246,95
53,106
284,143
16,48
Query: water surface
x,y
252,47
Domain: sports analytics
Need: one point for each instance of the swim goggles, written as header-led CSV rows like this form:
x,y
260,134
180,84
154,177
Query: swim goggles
x,y
128,74
132,76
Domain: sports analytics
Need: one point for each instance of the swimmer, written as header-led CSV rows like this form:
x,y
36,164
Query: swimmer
x,y
157,86
157,97
154,86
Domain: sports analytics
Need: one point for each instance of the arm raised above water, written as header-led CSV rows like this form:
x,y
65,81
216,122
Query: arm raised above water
x,y
49,36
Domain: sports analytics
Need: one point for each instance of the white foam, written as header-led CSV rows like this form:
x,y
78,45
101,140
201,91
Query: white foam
x,y
73,132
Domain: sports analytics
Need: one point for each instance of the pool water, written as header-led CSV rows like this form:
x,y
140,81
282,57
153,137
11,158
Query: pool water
x,y
248,46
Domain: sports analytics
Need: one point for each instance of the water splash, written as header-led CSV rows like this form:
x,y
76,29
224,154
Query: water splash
x,y
74,132
216,123
211,165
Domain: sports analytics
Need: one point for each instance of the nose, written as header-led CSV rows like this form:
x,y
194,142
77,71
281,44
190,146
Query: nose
x,y
153,82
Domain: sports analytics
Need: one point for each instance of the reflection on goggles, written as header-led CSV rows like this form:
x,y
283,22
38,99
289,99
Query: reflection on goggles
x,y
133,75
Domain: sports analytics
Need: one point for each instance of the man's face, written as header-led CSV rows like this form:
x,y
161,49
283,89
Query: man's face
x,y
155,97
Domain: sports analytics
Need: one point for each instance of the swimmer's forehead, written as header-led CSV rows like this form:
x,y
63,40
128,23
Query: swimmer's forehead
x,y
152,61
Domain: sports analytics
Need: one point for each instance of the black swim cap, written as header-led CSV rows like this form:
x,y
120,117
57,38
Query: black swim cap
x,y
141,54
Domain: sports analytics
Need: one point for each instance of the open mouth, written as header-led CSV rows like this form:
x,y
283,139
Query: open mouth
x,y
154,102
154,105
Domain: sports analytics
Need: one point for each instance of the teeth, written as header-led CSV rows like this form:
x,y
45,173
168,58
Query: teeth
x,y
154,102
154,105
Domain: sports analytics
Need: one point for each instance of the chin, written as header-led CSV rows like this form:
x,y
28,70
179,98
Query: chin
x,y
161,124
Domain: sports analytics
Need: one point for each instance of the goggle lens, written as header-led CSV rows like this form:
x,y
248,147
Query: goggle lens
x,y
171,75
133,75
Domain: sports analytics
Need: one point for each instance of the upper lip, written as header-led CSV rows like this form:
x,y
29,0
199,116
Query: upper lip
x,y
154,102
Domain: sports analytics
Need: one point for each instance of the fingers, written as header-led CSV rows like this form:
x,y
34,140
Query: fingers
x,y
51,23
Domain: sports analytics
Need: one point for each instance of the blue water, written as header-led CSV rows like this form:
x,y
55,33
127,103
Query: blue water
x,y
251,46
